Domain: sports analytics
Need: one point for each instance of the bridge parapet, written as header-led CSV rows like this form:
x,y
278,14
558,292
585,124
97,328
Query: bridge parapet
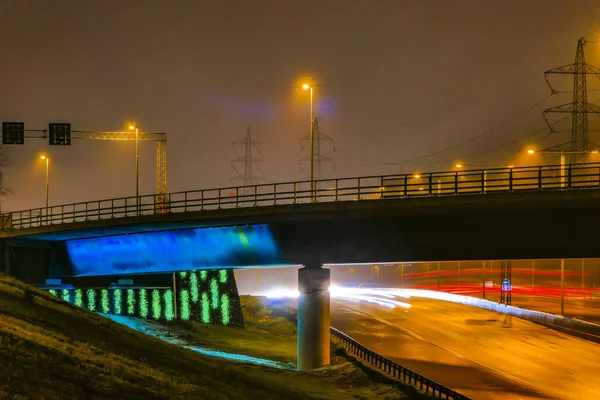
x,y
367,188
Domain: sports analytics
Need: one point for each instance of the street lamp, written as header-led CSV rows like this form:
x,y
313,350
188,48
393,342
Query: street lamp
x,y
562,159
306,86
137,165
47,158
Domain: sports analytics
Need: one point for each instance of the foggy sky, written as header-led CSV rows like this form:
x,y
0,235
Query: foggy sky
x,y
395,80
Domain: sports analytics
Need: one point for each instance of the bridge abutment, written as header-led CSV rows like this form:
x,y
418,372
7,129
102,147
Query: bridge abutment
x,y
313,317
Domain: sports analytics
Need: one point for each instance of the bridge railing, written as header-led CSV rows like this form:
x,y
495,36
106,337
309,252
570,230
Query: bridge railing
x,y
447,183
424,384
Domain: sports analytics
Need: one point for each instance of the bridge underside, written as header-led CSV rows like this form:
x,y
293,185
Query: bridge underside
x,y
491,227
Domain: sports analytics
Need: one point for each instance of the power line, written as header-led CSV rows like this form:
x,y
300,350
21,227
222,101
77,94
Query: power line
x,y
484,133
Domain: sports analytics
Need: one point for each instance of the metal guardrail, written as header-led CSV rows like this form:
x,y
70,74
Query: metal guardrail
x,y
434,184
425,385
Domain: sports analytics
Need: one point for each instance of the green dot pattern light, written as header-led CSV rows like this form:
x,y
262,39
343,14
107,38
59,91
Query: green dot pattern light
x,y
104,302
79,297
169,305
214,293
118,301
144,303
184,302
156,306
223,276
194,287
91,299
205,308
130,302
208,296
225,317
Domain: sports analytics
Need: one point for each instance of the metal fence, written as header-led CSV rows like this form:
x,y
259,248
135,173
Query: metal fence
x,y
397,371
433,184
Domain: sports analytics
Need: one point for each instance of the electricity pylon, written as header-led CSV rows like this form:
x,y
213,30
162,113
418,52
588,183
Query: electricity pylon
x,y
248,178
579,109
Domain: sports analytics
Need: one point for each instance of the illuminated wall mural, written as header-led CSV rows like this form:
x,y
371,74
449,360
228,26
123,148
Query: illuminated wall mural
x,y
173,251
208,296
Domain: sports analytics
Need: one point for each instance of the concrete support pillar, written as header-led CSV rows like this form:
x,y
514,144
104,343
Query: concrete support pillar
x,y
313,318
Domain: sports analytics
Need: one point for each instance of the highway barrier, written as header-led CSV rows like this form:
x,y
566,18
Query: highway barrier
x,y
585,330
424,384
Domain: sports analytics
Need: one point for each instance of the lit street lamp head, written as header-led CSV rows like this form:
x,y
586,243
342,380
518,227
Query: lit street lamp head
x,y
306,86
458,165
131,127
531,151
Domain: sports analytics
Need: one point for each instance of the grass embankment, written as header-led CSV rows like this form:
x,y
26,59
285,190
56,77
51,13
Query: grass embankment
x,y
271,333
50,349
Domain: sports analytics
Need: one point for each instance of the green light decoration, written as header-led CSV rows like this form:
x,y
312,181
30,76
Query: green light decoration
x,y
143,303
183,274
53,292
156,306
130,302
91,299
65,295
203,275
225,317
104,301
117,301
184,305
79,297
223,276
169,309
205,308
194,287
214,292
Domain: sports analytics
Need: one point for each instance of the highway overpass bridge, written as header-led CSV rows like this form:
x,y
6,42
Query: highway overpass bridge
x,y
492,214
500,214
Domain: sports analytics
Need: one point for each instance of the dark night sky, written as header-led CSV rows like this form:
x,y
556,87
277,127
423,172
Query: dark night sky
x,y
400,79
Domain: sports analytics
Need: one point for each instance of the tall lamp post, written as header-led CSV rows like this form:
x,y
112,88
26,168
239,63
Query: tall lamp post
x,y
306,86
47,159
562,159
137,165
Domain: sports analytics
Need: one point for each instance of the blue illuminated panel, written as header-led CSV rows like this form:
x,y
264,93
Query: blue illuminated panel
x,y
174,251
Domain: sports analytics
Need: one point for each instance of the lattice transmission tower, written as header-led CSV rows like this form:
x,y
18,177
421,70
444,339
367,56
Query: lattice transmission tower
x,y
247,178
318,157
579,109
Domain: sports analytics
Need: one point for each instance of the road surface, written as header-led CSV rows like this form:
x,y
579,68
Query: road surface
x,y
479,353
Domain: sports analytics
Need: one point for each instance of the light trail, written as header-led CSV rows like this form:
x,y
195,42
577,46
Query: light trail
x,y
382,297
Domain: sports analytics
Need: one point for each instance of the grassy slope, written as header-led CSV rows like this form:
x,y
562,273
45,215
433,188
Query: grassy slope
x,y
53,350
271,333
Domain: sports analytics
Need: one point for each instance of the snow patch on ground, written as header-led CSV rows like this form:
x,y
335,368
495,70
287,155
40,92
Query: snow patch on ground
x,y
161,332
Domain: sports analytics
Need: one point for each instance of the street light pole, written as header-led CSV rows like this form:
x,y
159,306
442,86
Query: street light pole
x,y
562,169
137,166
47,180
312,143
47,159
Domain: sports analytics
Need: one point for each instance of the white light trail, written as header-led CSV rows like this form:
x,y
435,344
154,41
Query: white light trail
x,y
382,297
